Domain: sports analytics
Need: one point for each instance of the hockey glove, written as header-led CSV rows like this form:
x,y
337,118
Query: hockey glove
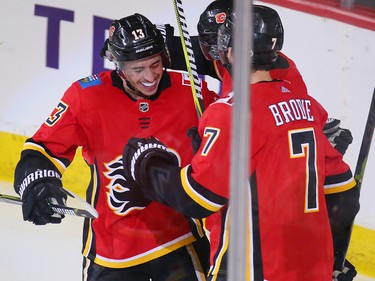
x,y
196,139
346,274
339,138
139,153
36,200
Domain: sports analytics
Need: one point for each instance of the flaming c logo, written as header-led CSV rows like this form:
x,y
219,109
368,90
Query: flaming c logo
x,y
111,30
122,197
220,17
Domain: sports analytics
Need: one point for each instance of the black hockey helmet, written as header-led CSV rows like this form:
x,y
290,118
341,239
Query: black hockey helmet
x,y
268,34
135,37
209,22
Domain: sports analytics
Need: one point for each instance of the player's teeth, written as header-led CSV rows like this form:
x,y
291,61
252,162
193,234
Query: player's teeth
x,y
148,84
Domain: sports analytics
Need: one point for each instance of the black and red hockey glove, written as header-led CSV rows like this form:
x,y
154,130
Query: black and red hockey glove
x,y
37,199
339,138
140,154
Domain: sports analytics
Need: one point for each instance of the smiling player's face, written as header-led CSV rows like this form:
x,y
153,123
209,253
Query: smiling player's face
x,y
144,75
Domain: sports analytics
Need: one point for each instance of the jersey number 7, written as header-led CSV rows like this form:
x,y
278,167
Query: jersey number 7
x,y
302,143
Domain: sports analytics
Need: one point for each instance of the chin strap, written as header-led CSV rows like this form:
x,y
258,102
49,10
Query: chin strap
x,y
131,90
129,87
134,91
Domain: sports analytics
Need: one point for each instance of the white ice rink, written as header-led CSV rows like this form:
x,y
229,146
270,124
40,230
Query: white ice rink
x,y
38,253
42,253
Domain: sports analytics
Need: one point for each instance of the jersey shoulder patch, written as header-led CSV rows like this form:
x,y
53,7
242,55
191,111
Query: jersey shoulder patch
x,y
90,81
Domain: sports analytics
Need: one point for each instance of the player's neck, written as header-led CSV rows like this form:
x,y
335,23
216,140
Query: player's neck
x,y
259,76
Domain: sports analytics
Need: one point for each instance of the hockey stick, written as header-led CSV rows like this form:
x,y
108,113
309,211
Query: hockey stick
x,y
362,159
189,57
87,212
366,143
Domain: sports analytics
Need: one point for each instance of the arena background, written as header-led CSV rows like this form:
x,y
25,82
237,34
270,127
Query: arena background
x,y
46,45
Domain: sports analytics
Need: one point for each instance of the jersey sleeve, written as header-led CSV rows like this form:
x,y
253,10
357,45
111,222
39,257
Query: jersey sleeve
x,y
199,188
61,132
205,181
48,153
210,164
338,175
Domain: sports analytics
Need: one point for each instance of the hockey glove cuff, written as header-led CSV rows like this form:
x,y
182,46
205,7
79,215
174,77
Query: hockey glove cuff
x,y
338,137
141,152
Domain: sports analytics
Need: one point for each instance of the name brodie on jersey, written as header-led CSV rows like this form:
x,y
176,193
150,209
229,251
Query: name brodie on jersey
x,y
292,110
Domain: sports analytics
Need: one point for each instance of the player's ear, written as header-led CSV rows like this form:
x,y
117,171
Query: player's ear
x,y
123,75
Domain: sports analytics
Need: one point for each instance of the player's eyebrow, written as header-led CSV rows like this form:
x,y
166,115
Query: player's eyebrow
x,y
157,61
137,68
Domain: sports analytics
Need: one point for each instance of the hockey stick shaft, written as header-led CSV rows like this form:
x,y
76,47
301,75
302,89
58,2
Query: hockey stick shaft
x,y
362,159
88,212
366,144
189,57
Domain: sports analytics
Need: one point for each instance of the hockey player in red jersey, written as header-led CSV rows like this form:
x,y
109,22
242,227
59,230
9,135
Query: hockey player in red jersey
x,y
288,180
133,238
283,68
208,63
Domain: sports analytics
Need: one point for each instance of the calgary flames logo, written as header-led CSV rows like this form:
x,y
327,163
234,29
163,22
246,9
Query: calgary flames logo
x,y
122,196
111,30
220,17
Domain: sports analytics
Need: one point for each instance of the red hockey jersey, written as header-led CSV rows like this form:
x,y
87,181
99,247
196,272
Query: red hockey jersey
x,y
96,114
284,69
291,160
